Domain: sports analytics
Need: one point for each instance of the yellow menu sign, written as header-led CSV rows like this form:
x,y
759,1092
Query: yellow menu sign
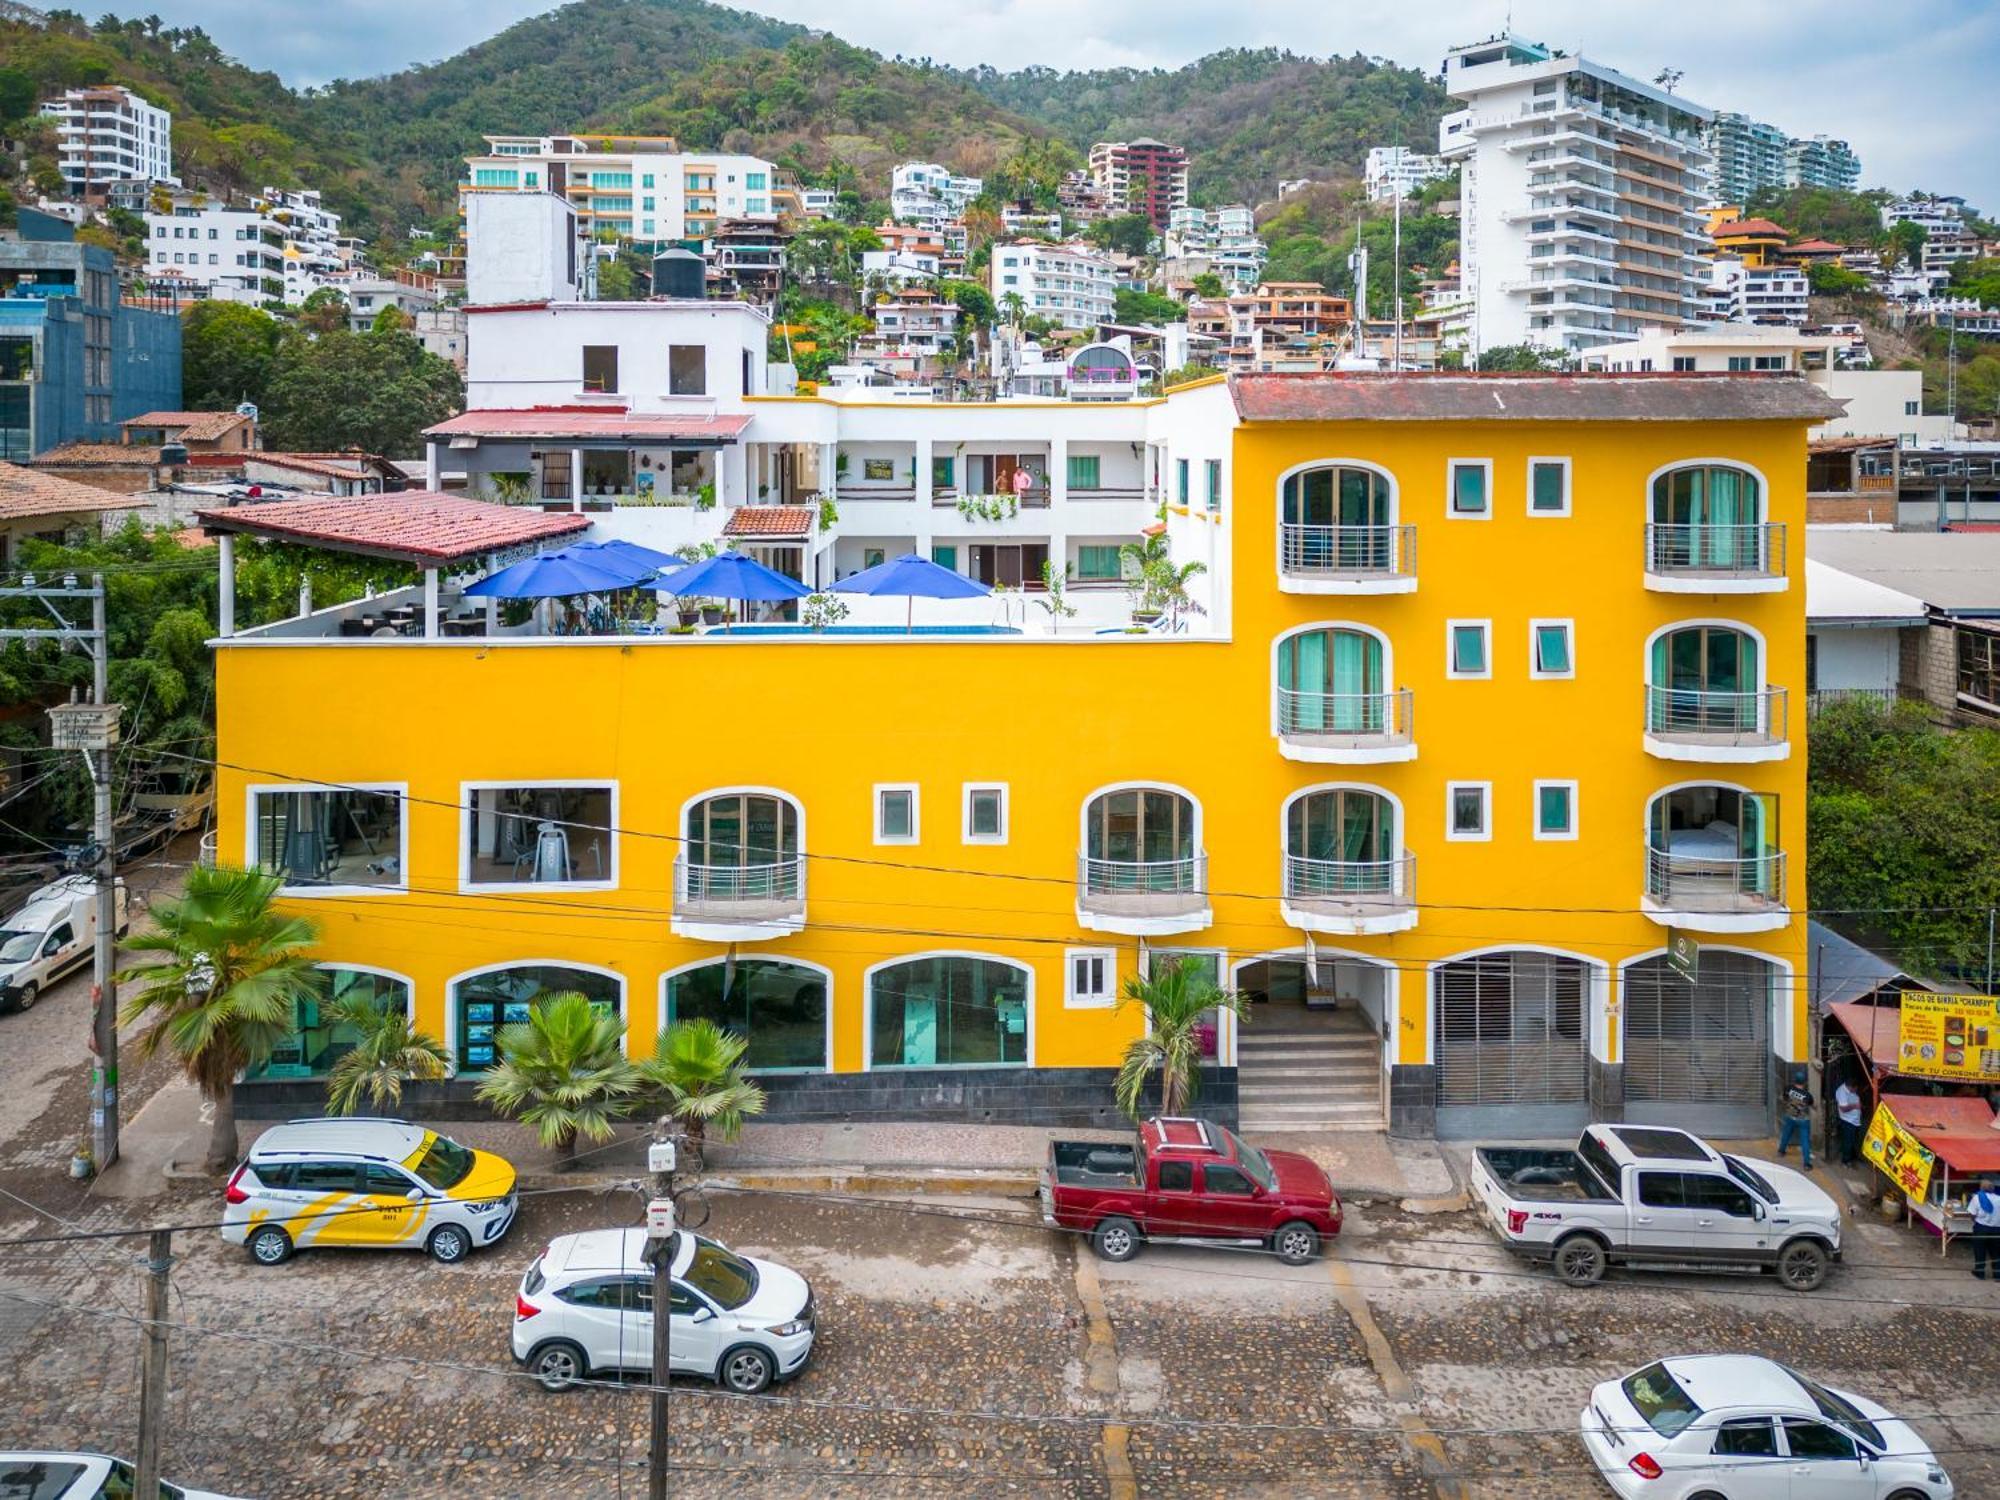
x,y
1951,1036
1898,1153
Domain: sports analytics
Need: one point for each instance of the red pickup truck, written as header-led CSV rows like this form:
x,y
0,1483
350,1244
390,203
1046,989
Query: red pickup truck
x,y
1188,1182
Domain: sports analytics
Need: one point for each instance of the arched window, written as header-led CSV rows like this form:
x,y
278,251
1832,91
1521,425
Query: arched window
x,y
1338,842
1712,844
742,846
1140,839
485,1002
778,1007
321,1032
1703,679
1707,516
1331,681
948,1010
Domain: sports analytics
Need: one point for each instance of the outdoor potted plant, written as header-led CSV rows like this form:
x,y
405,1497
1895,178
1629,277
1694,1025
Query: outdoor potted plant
x,y
713,611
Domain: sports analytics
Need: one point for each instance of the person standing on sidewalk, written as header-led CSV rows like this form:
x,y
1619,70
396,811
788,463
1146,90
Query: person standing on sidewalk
x,y
1985,1206
1847,1102
1797,1122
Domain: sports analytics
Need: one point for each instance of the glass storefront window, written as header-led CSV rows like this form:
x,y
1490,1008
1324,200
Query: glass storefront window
x,y
319,1037
483,1003
779,1007
345,838
948,1012
552,834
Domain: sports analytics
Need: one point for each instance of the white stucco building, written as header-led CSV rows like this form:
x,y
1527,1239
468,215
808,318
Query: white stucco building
x,y
110,134
926,193
645,189
281,246
1397,171
1580,195
1072,284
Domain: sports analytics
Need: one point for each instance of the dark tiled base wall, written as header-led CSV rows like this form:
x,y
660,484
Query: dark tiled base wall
x,y
1078,1097
1413,1100
1607,1090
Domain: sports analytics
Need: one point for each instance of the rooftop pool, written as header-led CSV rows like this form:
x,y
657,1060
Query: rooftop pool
x,y
871,630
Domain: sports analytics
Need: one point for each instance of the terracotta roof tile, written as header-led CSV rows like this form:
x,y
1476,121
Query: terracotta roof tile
x,y
1755,227
201,426
419,526
770,520
1658,397
565,422
27,492
67,455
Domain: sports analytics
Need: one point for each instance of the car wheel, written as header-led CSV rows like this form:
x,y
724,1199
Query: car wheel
x,y
1802,1265
1580,1260
746,1371
1296,1243
558,1366
270,1245
26,999
1707,1495
449,1245
1116,1239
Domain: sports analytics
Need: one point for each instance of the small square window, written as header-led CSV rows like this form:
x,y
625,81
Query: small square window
x,y
1468,811
1089,977
1548,486
896,814
1471,481
1468,646
1552,648
1555,809
985,814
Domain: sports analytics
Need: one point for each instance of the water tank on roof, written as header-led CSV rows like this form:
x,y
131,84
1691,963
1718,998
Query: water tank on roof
x,y
173,453
679,273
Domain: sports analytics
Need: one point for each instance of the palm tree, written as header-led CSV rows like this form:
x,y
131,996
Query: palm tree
x,y
223,986
390,1051
1177,997
562,1072
1167,584
699,1067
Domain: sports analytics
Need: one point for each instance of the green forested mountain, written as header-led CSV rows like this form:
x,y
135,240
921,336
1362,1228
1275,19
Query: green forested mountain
x,y
388,150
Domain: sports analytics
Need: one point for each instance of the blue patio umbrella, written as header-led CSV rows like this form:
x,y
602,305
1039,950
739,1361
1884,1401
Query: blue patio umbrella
x,y
647,557
731,575
551,575
913,578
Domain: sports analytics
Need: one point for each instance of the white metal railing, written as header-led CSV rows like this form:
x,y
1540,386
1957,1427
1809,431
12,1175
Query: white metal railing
x,y
1369,882
714,885
1354,715
1380,551
1702,882
1187,876
1727,718
1749,551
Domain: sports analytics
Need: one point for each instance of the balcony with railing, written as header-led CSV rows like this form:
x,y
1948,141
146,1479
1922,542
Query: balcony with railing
x,y
738,903
1715,890
1705,558
1345,728
1705,725
1347,559
1345,897
1143,898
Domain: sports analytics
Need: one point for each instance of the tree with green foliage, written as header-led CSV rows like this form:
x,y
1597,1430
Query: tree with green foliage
x,y
376,391
1209,285
218,983
1179,1002
563,1072
1131,233
1903,819
1129,306
227,353
1906,241
1829,278
698,1069
323,311
1818,213
1034,173
973,301
1188,373
1979,279
1523,359
18,95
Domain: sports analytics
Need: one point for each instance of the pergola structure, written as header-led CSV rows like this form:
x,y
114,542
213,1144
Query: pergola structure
x,y
422,528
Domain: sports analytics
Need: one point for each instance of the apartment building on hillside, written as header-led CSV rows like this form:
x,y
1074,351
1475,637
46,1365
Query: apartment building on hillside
x,y
1073,284
645,189
1510,741
1226,238
1822,162
107,135
1396,172
1280,326
1752,157
1581,195
926,194
278,247
1145,176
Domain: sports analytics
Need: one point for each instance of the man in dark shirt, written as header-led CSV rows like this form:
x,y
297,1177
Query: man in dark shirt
x,y
1796,1124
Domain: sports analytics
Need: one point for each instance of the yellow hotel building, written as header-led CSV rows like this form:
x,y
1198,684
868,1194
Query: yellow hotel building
x,y
1499,679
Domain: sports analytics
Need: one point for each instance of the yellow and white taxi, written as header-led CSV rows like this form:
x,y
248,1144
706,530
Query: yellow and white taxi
x,y
382,1184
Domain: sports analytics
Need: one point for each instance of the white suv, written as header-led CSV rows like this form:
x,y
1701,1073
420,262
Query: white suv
x,y
80,1476
587,1306
376,1184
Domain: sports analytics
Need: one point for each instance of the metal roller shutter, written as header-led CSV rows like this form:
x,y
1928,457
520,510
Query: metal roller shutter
x,y
1511,1032
1706,1044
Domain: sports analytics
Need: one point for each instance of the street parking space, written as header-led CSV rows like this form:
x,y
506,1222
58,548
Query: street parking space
x,y
962,1351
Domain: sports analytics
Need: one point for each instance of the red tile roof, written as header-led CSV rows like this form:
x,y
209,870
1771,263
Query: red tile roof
x,y
1818,247
301,463
27,492
591,422
1758,228
1456,397
418,526
770,520
201,426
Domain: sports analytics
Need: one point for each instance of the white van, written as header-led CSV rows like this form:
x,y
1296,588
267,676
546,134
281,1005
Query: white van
x,y
49,936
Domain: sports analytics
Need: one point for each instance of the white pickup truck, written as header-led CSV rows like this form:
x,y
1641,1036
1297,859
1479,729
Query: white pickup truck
x,y
1653,1196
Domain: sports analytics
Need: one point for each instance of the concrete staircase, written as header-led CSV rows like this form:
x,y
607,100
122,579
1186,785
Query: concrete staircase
x,y
1322,1077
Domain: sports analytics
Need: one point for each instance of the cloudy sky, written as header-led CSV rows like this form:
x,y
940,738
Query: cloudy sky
x,y
1905,83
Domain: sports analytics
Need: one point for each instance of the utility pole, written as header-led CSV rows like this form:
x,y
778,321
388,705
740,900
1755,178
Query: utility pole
x,y
1396,265
91,728
153,1374
660,1161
